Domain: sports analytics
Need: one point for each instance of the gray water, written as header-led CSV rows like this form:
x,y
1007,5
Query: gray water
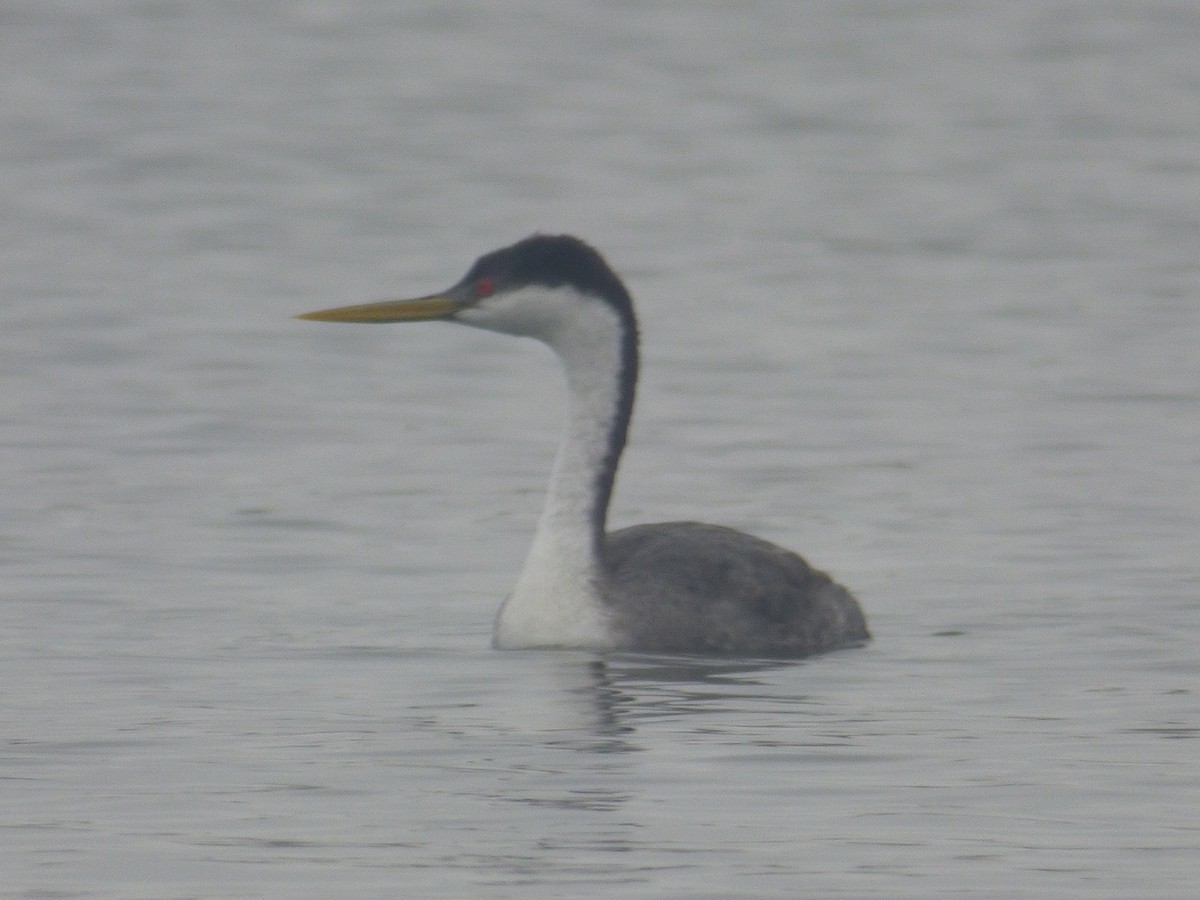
x,y
920,291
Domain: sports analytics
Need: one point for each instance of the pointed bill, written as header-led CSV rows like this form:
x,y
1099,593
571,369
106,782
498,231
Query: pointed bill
x,y
436,306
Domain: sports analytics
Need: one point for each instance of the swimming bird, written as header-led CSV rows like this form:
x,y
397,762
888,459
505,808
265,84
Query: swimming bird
x,y
672,587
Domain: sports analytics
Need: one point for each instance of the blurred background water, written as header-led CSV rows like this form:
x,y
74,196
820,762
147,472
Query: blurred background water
x,y
919,289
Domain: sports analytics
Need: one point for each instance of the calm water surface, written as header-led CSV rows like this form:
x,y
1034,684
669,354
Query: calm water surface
x,y
920,288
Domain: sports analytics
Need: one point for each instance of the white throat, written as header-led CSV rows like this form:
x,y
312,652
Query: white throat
x,y
558,598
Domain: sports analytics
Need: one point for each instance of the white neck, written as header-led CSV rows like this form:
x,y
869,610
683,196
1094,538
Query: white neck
x,y
558,597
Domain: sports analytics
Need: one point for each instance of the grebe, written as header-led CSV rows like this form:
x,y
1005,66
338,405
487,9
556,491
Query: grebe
x,y
672,587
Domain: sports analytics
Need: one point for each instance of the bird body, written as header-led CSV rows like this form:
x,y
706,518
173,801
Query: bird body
x,y
681,587
689,587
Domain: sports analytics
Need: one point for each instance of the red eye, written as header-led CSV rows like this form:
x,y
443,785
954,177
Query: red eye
x,y
484,287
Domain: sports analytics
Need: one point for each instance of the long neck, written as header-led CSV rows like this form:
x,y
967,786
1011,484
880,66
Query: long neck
x,y
558,598
600,384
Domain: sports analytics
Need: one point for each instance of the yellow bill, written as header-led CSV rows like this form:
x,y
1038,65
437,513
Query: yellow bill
x,y
433,307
